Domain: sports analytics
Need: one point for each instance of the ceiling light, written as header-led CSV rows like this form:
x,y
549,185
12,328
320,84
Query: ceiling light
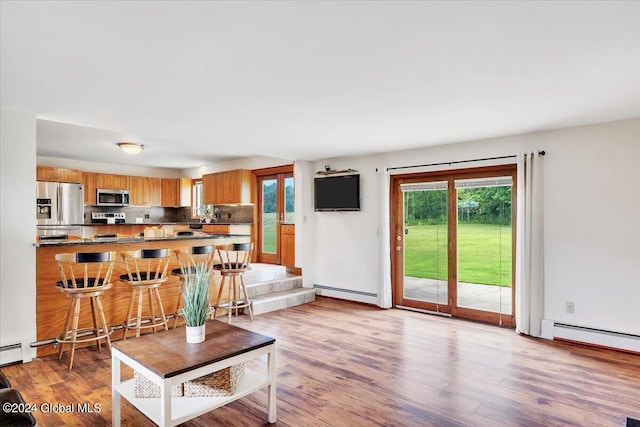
x,y
130,147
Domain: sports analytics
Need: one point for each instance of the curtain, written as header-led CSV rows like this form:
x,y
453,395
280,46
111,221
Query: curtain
x,y
384,247
530,248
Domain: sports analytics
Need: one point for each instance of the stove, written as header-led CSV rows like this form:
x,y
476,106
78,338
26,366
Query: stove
x,y
107,217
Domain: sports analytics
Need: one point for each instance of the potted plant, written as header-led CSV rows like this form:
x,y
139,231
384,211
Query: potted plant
x,y
207,213
195,293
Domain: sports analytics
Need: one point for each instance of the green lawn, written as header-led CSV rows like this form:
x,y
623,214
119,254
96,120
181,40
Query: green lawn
x,y
269,233
484,253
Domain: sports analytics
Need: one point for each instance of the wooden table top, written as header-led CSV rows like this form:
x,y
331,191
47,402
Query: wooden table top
x,y
168,354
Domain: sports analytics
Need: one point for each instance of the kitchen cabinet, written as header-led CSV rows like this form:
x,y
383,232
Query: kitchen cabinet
x,y
288,245
48,173
229,187
226,228
176,192
112,182
145,191
89,182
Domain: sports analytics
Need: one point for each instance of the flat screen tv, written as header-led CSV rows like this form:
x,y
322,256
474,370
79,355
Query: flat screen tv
x,y
337,193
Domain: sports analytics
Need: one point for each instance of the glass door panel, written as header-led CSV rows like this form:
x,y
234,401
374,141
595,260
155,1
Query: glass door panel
x,y
277,219
425,242
269,215
289,201
484,244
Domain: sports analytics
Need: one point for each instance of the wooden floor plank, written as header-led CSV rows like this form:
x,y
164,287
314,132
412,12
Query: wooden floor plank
x,y
348,364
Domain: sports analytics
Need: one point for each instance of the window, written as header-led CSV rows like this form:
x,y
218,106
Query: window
x,y
197,204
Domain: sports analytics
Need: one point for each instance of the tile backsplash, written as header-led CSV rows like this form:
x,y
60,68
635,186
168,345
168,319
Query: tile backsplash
x,y
229,214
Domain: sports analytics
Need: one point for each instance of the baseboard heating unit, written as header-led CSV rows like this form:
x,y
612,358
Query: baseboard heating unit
x,y
348,294
598,337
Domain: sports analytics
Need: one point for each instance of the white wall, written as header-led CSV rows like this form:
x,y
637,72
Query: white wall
x,y
17,234
592,225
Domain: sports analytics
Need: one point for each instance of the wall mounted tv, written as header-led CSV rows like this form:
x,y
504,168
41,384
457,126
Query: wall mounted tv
x,y
337,193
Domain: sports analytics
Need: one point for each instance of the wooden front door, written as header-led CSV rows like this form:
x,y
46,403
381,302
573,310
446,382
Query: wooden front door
x,y
276,229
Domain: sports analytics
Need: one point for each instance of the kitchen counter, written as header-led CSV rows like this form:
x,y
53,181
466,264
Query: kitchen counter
x,y
150,224
134,240
51,304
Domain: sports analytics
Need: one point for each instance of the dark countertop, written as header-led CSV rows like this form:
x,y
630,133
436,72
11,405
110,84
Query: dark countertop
x,y
62,242
150,224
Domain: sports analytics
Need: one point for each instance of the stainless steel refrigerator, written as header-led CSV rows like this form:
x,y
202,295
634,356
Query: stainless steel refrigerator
x,y
59,208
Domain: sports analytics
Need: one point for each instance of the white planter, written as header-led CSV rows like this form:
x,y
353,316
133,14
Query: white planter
x,y
195,334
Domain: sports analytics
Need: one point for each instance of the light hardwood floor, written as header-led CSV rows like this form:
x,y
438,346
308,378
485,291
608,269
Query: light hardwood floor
x,y
347,364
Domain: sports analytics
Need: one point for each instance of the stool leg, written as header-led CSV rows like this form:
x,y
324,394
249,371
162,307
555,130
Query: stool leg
x,y
65,330
107,339
218,300
176,313
129,312
231,286
139,318
74,331
162,315
96,330
246,296
236,294
151,310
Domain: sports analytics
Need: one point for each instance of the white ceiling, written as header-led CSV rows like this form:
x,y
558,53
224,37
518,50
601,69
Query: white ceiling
x,y
199,82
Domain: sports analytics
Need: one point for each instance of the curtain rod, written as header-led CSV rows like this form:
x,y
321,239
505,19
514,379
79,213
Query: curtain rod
x,y
540,153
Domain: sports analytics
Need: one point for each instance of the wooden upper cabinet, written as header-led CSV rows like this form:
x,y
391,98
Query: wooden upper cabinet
x,y
113,182
145,191
48,173
209,187
170,194
229,187
176,192
89,182
154,191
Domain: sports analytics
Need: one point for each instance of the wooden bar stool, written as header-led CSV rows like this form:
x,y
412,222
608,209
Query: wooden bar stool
x,y
84,275
234,261
146,271
190,259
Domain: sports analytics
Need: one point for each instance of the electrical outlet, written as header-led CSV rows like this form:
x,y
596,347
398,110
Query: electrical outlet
x,y
146,216
229,215
568,307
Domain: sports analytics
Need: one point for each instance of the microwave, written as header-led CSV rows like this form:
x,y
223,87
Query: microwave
x,y
108,197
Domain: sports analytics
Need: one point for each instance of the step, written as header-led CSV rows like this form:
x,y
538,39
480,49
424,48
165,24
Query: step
x,y
271,286
283,299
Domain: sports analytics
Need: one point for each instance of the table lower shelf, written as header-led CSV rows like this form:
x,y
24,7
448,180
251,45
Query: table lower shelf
x,y
186,408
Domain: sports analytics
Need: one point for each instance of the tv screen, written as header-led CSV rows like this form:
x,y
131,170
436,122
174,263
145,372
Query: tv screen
x,y
337,193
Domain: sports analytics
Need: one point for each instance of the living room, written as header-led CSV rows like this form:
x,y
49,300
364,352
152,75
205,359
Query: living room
x,y
588,125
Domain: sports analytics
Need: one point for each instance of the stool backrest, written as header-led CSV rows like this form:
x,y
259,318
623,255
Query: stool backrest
x,y
85,270
146,265
195,258
234,256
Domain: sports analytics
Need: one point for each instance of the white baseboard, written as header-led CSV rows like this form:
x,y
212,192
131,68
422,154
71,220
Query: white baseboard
x,y
346,294
581,334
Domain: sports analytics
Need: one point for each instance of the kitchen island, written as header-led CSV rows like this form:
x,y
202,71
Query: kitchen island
x,y
51,304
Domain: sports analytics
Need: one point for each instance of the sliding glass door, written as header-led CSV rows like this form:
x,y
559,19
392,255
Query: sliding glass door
x,y
453,243
425,235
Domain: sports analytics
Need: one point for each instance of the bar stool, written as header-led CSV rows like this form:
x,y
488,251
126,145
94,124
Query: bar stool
x,y
234,261
190,260
80,281
146,271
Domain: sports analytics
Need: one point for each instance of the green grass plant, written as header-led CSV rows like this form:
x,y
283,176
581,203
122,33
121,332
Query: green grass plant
x,y
195,293
484,253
